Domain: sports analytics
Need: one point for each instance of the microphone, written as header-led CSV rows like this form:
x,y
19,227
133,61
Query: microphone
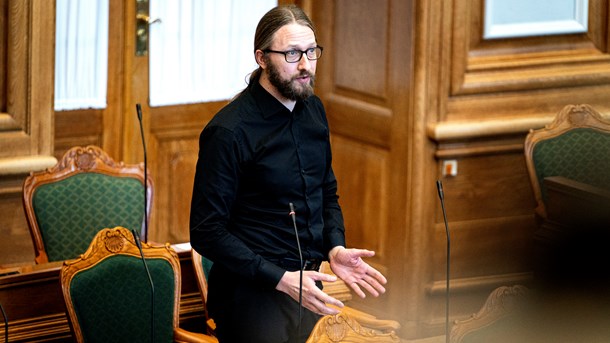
x,y
441,196
5,324
296,234
152,286
139,112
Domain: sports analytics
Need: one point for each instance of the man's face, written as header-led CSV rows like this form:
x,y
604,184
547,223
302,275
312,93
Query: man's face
x,y
294,81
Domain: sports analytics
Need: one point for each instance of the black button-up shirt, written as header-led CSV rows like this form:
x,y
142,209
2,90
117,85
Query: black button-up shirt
x,y
256,157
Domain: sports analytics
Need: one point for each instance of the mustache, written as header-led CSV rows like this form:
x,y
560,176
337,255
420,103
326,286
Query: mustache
x,y
304,74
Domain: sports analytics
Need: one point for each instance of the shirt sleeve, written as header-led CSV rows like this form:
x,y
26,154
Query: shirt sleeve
x,y
334,228
214,191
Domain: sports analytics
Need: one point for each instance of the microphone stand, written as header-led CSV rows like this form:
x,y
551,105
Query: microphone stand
x,y
152,286
139,112
296,233
441,195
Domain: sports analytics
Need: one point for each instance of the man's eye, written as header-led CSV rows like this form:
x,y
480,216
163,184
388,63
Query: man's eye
x,y
292,53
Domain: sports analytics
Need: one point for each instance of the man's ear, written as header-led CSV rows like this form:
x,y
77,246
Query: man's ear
x,y
259,55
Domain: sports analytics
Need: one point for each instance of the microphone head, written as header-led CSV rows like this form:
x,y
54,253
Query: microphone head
x,y
439,187
139,111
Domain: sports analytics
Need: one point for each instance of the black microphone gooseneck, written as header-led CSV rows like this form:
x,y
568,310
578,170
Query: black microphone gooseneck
x,y
296,234
441,196
152,286
139,112
5,324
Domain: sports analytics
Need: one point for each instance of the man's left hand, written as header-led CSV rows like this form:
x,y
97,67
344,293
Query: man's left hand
x,y
348,265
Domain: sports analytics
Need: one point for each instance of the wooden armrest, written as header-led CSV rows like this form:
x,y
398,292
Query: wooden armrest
x,y
183,336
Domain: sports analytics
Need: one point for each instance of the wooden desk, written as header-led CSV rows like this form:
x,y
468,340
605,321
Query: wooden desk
x,y
34,304
573,205
571,245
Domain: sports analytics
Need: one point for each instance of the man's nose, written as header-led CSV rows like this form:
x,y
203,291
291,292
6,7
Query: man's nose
x,y
304,63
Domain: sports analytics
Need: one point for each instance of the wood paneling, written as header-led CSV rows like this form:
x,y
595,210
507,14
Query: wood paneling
x,y
26,123
361,36
363,80
26,126
362,171
411,84
173,147
27,32
530,66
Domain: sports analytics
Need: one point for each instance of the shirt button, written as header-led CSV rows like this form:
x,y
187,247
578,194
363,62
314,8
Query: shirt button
x,y
303,171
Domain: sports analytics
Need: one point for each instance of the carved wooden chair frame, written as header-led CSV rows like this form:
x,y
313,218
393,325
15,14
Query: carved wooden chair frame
x,y
569,118
353,326
89,159
499,304
120,241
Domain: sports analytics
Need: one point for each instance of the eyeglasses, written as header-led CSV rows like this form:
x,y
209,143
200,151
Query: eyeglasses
x,y
294,56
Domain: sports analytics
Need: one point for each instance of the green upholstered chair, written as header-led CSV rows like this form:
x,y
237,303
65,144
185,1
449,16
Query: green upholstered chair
x,y
108,295
84,192
576,145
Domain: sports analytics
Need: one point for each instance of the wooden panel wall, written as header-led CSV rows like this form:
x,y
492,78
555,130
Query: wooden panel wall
x,y
27,29
365,81
409,85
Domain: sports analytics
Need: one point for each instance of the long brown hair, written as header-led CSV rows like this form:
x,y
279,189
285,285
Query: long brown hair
x,y
272,21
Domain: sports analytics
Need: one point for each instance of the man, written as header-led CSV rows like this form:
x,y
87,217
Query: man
x,y
264,153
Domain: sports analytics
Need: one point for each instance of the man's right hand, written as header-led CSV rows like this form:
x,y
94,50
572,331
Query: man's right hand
x,y
313,298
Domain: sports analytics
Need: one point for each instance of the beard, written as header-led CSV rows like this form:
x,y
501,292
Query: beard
x,y
290,89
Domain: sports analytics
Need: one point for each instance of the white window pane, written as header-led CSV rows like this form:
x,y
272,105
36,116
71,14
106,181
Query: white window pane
x,y
202,50
81,54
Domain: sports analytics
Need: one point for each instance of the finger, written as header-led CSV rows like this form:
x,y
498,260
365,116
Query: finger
x,y
375,284
317,276
377,275
372,286
357,289
327,299
363,252
318,306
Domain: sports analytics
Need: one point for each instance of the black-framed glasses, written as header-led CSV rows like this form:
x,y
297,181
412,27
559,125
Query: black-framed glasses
x,y
293,56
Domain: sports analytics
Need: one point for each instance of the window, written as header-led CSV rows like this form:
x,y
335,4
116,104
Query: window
x,y
202,50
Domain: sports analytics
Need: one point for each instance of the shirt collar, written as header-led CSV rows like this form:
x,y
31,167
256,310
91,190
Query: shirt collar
x,y
268,104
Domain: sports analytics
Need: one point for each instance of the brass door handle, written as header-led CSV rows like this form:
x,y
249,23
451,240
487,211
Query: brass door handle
x,y
143,21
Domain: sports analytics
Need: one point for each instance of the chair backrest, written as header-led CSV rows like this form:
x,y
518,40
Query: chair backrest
x,y
576,145
108,295
66,205
348,326
499,320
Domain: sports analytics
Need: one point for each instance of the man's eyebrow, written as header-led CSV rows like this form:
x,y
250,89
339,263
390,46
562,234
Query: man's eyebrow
x,y
296,46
